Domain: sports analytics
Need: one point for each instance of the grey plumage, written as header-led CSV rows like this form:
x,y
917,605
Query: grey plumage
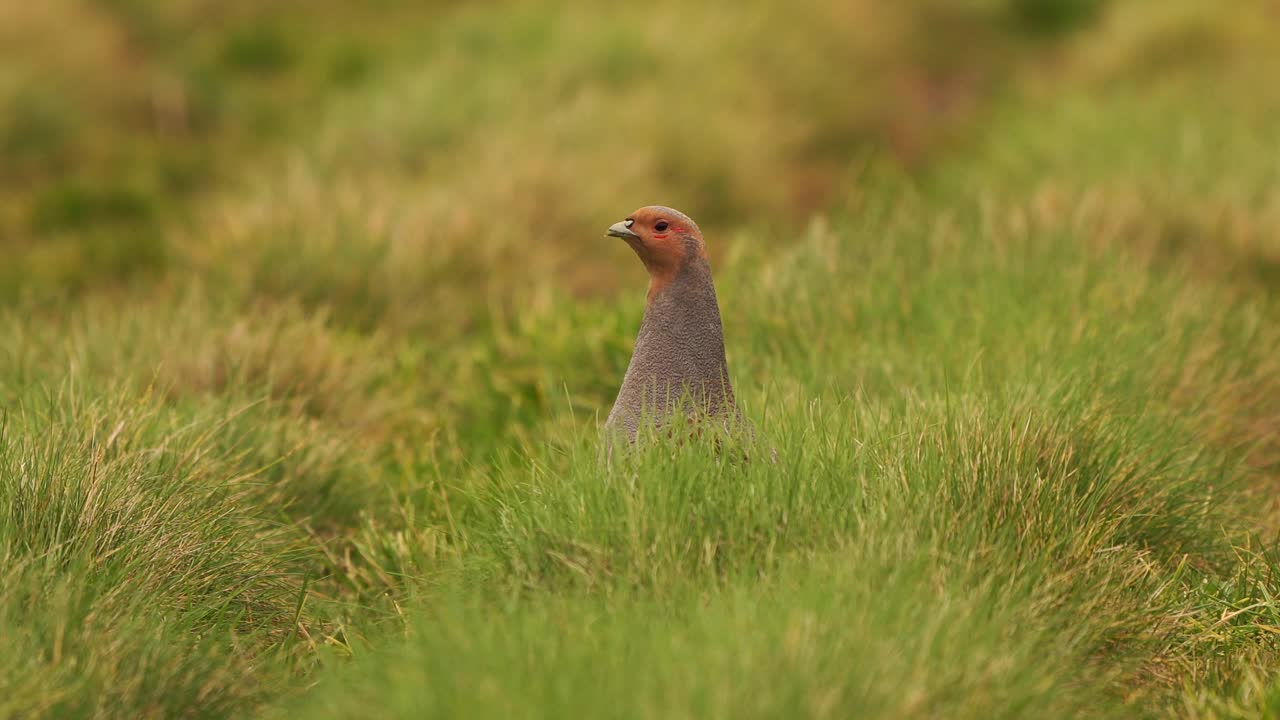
x,y
679,355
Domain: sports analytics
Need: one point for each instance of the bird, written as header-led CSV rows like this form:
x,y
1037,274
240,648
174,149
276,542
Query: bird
x,y
678,363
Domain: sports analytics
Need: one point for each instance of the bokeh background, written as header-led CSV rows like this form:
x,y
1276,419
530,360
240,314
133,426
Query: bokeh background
x,y
306,305
253,141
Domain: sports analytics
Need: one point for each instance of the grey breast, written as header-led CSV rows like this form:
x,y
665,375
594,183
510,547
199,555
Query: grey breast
x,y
679,355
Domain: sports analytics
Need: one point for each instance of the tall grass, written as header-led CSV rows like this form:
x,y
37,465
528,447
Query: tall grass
x,y
963,499
134,558
319,435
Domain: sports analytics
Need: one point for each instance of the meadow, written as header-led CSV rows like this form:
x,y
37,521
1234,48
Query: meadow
x,y
308,326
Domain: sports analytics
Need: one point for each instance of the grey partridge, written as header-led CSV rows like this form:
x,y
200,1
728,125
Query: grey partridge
x,y
678,364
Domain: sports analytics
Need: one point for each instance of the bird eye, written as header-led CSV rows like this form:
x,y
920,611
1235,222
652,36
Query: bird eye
x,y
661,226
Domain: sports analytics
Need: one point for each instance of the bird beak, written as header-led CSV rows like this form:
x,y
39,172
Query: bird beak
x,y
620,229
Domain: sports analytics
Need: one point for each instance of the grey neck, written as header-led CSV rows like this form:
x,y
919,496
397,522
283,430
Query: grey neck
x,y
680,349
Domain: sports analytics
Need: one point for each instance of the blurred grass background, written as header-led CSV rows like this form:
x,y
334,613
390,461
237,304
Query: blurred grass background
x,y
308,319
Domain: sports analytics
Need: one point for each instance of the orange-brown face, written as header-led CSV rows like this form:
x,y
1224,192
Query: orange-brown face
x,y
663,238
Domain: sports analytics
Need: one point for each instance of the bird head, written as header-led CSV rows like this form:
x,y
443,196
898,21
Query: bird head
x,y
666,240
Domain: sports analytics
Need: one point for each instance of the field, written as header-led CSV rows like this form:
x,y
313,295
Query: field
x,y
308,326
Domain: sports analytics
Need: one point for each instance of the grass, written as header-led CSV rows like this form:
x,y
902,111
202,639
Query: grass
x,y
318,435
